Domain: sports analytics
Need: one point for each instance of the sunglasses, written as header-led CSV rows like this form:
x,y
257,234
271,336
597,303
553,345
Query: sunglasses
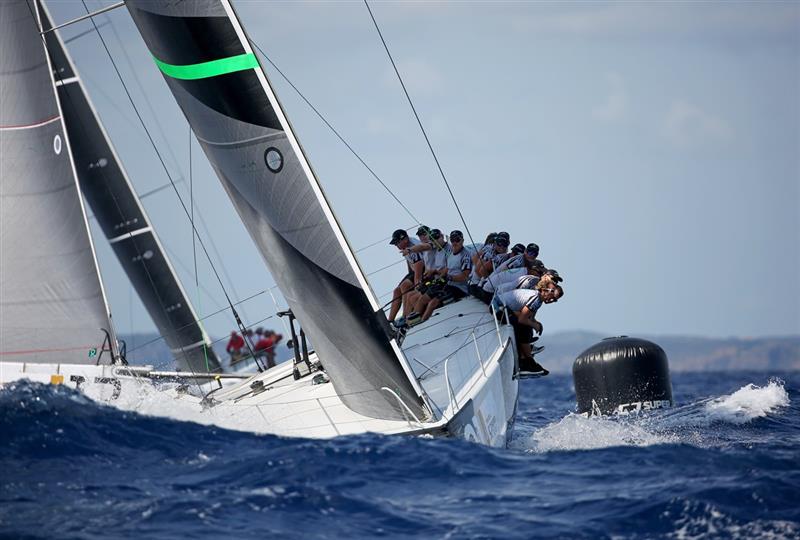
x,y
456,238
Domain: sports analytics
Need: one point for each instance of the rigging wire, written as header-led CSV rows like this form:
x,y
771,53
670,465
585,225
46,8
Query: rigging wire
x,y
310,105
335,132
173,158
194,248
191,212
84,33
169,176
424,133
37,18
268,290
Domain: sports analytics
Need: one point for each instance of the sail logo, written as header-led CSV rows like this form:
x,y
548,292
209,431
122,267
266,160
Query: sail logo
x,y
173,307
638,406
57,144
99,164
124,224
144,256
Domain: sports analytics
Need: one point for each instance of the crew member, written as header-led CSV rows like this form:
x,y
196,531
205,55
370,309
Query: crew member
x,y
523,305
234,347
453,277
415,267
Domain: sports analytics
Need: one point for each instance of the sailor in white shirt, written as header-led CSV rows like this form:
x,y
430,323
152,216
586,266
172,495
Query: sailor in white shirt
x,y
524,304
433,257
483,254
454,276
526,258
498,278
526,281
404,243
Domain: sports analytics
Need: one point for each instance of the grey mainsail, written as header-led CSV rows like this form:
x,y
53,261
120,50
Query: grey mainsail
x,y
121,216
52,305
209,65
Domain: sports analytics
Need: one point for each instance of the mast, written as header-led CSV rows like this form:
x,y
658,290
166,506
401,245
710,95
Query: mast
x,y
215,77
121,216
53,307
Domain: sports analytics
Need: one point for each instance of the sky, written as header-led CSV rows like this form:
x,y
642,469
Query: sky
x,y
652,150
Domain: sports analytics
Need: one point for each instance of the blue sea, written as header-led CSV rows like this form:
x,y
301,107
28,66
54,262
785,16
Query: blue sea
x,y
723,463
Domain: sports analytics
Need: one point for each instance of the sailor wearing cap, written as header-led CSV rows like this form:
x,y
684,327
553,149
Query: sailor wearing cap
x,y
480,256
404,243
531,280
501,278
492,256
527,258
501,251
431,250
451,279
524,304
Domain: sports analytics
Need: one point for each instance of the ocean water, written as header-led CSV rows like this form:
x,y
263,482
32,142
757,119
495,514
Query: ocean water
x,y
724,463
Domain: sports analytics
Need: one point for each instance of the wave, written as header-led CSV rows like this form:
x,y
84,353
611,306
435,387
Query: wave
x,y
686,424
748,403
76,468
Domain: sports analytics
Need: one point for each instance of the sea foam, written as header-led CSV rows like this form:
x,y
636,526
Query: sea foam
x,y
748,403
684,424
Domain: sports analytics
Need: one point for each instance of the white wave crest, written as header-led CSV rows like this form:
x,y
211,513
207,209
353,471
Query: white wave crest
x,y
166,402
748,403
686,424
578,432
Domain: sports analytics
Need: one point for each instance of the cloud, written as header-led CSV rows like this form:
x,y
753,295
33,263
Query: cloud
x,y
686,125
615,106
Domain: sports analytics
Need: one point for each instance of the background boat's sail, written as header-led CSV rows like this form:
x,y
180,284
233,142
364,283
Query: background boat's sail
x,y
52,304
216,79
123,220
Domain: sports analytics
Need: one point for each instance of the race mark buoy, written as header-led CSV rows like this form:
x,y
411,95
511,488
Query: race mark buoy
x,y
622,375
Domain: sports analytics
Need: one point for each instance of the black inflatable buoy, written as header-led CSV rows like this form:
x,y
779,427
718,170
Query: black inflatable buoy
x,y
622,375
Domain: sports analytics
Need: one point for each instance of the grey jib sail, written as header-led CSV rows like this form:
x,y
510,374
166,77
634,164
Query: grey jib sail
x,y
123,220
216,79
52,306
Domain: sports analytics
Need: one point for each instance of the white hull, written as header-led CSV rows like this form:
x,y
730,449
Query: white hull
x,y
464,362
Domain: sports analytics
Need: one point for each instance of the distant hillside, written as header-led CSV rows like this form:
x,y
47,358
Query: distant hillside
x,y
685,353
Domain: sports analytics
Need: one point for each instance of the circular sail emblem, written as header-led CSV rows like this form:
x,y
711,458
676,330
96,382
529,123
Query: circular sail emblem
x,y
57,144
274,159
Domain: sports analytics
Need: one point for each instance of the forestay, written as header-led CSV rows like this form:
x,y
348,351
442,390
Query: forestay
x,y
122,218
209,65
52,305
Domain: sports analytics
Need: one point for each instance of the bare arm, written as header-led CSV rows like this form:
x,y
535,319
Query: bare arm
x,y
463,276
418,267
419,248
528,318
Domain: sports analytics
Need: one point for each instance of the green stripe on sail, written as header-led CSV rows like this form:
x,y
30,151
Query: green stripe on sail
x,y
205,70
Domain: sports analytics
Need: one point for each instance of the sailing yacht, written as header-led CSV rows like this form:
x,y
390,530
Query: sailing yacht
x,y
453,375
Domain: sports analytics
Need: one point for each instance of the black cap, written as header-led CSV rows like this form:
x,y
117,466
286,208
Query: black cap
x,y
554,275
456,234
518,248
532,248
501,241
423,229
398,235
504,234
435,234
